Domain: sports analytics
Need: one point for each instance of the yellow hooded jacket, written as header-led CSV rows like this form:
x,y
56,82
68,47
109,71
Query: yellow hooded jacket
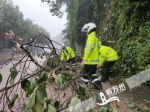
x,y
107,54
91,51
68,53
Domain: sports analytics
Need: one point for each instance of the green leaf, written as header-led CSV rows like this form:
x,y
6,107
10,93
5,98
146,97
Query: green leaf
x,y
42,89
38,106
75,100
1,78
40,97
33,85
67,76
43,76
90,106
131,105
30,101
25,85
13,72
103,109
12,100
51,108
58,80
30,88
93,98
56,104
11,82
84,90
38,55
108,110
48,101
114,110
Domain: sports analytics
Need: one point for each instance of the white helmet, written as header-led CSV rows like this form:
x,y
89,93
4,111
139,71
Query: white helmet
x,y
87,27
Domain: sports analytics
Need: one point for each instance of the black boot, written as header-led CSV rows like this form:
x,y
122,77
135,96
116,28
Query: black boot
x,y
107,78
103,79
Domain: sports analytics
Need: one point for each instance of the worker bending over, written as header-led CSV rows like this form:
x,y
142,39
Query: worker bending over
x,y
108,57
68,55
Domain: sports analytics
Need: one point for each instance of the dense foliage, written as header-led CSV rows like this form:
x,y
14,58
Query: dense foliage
x,y
124,21
130,26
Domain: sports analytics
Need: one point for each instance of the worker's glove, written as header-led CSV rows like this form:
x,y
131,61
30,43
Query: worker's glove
x,y
98,66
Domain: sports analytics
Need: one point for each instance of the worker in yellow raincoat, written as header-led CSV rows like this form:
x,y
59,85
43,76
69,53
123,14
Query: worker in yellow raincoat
x,y
91,56
68,55
108,57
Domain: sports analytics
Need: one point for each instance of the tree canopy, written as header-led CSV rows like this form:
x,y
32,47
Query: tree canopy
x,y
11,18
